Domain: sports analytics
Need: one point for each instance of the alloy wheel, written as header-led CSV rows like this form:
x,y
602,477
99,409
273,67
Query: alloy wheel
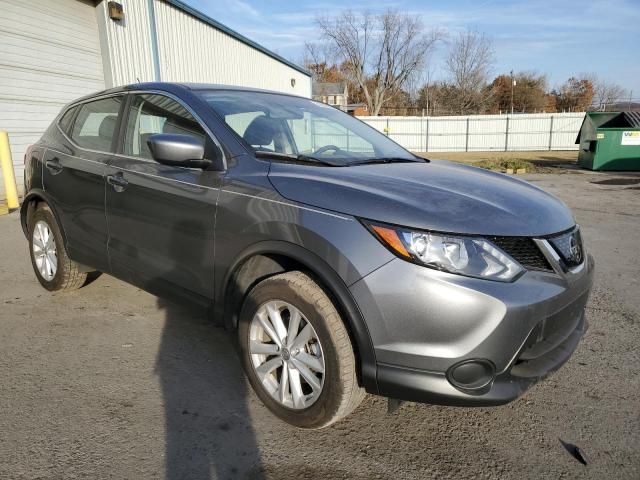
x,y
286,355
44,250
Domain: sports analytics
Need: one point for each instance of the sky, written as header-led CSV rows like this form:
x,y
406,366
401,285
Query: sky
x,y
556,37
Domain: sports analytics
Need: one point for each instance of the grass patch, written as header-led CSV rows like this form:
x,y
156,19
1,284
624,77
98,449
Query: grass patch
x,y
504,164
533,162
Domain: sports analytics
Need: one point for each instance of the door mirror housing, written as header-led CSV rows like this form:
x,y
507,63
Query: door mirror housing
x,y
178,150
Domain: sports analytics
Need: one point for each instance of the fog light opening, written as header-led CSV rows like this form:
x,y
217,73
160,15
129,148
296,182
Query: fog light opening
x,y
472,376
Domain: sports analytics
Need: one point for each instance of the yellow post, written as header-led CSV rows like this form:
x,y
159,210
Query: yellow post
x,y
6,162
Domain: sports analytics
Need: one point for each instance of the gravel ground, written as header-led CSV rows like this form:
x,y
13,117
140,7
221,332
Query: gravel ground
x,y
111,382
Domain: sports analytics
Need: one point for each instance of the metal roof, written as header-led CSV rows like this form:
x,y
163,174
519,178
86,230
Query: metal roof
x,y
223,28
633,118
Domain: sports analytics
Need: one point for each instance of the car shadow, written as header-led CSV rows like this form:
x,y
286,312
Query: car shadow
x,y
207,422
208,426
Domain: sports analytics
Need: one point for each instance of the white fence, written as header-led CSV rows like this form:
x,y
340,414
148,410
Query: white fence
x,y
478,133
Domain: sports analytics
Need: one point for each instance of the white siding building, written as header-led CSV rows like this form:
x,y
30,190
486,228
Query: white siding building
x,y
53,51
332,93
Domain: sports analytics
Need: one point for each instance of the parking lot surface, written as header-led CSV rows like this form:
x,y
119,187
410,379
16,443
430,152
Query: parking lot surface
x,y
111,382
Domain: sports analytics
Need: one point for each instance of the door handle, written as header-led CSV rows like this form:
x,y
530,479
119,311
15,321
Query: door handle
x,y
53,166
118,182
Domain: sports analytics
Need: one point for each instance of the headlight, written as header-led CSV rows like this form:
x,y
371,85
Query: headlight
x,y
464,255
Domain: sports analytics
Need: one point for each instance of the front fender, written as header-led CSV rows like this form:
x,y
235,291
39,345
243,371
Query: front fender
x,y
331,281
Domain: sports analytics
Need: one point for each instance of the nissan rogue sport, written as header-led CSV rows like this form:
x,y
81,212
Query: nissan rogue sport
x,y
345,263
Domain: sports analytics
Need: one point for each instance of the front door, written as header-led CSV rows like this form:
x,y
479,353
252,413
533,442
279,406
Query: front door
x,y
161,218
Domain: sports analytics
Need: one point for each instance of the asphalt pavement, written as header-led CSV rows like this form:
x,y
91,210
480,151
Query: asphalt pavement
x,y
112,382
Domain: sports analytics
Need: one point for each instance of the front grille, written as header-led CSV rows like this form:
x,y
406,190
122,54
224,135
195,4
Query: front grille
x,y
524,251
569,247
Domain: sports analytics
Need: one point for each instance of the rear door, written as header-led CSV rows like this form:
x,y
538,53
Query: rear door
x,y
73,176
161,218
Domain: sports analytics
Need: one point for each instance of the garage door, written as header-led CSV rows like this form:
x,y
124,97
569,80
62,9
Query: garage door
x,y
49,55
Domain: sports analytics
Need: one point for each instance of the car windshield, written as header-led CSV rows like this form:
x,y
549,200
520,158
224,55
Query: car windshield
x,y
283,127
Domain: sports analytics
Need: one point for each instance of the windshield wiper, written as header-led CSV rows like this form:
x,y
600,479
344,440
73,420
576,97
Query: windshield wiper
x,y
297,158
368,161
333,163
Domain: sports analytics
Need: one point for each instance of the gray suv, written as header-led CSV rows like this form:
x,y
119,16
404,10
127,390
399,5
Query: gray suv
x,y
345,263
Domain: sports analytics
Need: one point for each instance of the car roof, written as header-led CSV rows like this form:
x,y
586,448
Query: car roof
x,y
171,86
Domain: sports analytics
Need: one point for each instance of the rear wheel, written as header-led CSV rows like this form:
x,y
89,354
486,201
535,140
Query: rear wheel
x,y
51,264
297,352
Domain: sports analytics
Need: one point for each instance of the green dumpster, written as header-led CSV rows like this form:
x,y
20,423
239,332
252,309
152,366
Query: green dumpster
x,y
610,141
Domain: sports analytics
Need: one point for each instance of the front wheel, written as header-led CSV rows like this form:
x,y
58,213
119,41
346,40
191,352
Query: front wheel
x,y
297,352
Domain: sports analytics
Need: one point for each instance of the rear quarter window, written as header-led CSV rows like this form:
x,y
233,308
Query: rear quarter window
x,y
95,124
67,119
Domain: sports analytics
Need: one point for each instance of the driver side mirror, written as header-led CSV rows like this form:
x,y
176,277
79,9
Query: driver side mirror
x,y
178,150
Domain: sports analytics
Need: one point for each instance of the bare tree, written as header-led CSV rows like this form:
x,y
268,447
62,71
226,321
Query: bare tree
x,y
316,59
382,53
605,93
468,63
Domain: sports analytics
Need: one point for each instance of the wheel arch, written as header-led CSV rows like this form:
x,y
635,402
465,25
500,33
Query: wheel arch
x,y
269,258
29,205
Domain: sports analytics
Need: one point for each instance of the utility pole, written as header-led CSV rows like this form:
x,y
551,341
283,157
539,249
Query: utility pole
x,y
513,84
427,101
630,98
428,82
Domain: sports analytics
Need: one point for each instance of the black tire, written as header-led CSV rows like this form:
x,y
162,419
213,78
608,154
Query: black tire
x,y
340,393
67,276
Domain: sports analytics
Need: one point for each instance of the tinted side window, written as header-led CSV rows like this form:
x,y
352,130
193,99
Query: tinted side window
x,y
67,118
95,124
151,114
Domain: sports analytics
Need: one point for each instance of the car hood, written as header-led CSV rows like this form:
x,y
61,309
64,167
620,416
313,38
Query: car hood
x,y
438,195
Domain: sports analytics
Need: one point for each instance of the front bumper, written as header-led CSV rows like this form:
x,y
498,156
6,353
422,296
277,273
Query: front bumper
x,y
425,323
